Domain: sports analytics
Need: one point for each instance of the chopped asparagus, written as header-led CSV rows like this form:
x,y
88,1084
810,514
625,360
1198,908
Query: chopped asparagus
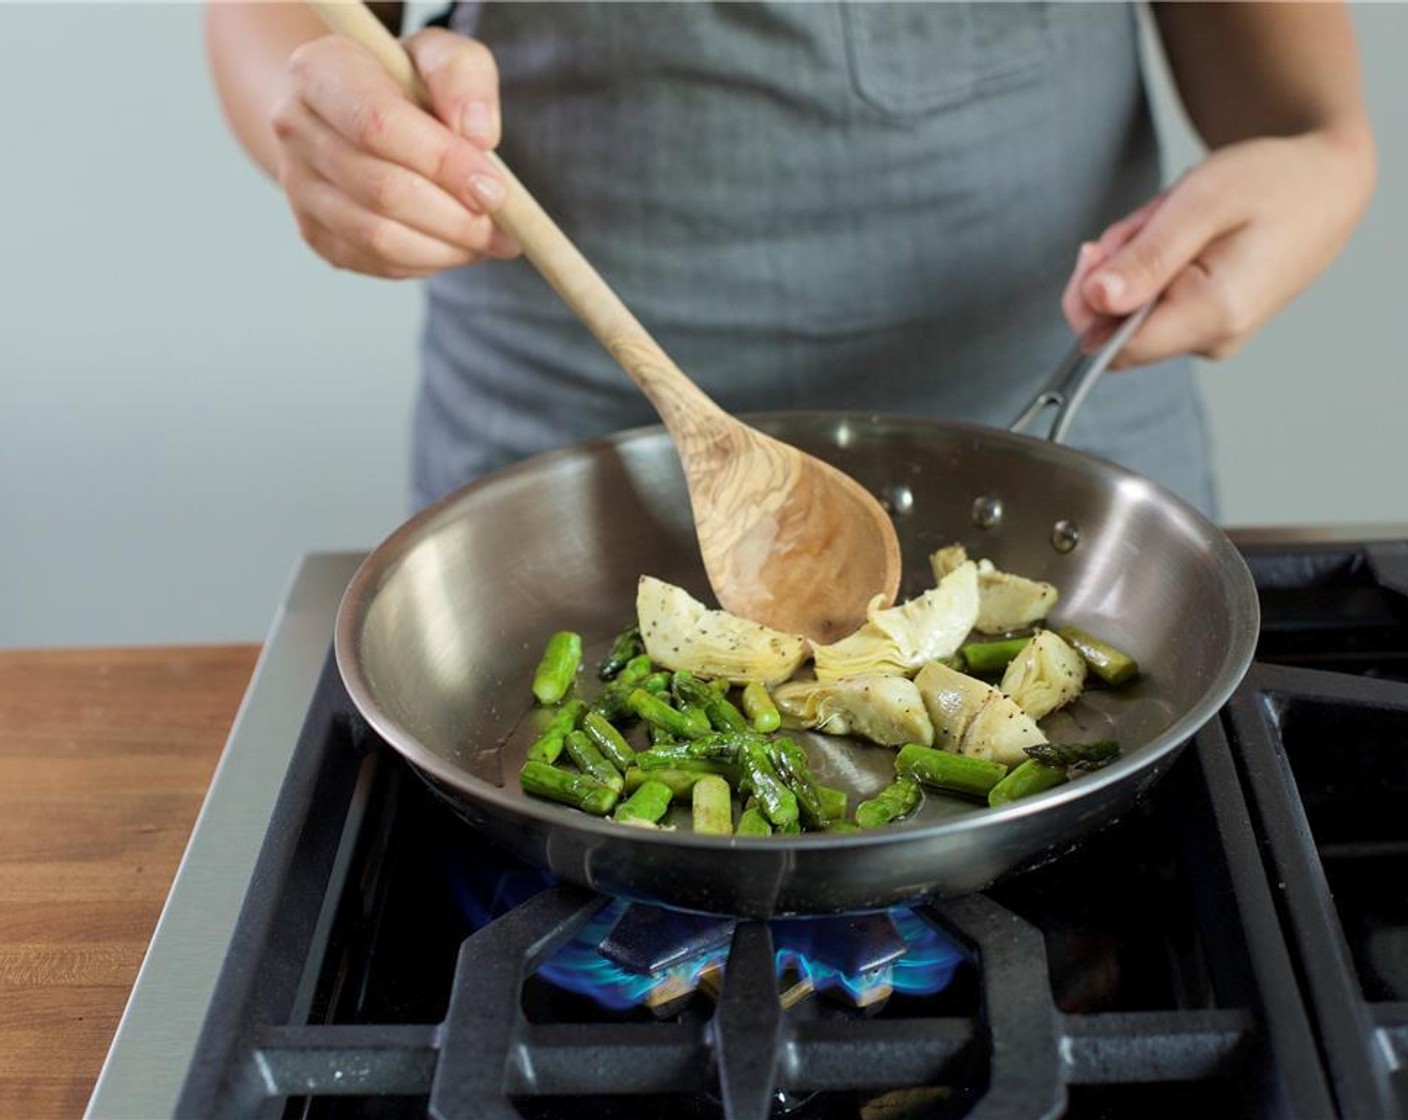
x,y
611,702
833,801
1111,665
558,667
608,740
581,792
955,773
591,761
991,657
758,706
890,804
628,645
1029,778
778,803
649,802
713,807
1084,756
665,759
680,782
753,823
653,709
547,746
790,761
724,716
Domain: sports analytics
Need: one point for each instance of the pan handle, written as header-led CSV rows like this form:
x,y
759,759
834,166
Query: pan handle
x,y
1074,378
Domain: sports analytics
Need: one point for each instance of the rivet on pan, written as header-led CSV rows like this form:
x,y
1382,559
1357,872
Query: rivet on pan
x,y
1065,535
897,500
987,512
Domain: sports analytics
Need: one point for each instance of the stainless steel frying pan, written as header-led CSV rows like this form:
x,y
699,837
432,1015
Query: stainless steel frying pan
x,y
440,629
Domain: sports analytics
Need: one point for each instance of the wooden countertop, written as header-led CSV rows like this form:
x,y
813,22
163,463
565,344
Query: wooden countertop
x,y
105,755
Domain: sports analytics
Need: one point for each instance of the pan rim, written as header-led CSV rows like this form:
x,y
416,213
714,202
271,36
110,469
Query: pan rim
x,y
385,559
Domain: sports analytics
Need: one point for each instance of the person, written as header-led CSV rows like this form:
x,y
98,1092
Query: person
x,y
817,206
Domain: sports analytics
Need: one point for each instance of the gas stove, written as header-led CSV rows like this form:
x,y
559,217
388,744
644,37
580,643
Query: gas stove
x,y
338,943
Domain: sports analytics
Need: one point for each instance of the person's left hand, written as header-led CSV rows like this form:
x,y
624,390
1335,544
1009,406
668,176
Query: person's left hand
x,y
1224,248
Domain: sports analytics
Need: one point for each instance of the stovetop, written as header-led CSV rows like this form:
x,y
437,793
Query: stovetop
x,y
1239,943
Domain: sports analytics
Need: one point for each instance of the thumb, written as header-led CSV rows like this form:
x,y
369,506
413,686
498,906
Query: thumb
x,y
1187,218
463,82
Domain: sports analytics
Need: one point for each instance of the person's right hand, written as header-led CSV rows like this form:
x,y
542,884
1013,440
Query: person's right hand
x,y
379,186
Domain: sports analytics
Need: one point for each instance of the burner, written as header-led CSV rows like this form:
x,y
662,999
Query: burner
x,y
634,955
1234,947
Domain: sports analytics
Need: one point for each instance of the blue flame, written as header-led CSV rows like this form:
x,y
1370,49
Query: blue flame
x,y
580,967
926,967
485,891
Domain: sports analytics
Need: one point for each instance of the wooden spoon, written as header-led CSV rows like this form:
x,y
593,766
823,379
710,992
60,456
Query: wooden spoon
x,y
787,540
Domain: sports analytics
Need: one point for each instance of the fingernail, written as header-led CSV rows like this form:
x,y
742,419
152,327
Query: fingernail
x,y
1088,249
1110,285
488,190
477,121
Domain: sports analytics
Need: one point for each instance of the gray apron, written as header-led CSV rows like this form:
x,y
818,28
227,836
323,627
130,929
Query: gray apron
x,y
812,206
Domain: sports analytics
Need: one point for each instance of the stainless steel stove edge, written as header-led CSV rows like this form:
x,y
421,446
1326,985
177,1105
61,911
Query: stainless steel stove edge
x,y
152,1048
155,1039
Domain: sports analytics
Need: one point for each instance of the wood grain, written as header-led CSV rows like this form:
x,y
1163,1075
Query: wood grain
x,y
105,756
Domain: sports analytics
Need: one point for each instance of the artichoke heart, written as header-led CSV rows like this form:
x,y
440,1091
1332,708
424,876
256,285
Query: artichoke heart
x,y
1046,675
1005,602
952,700
899,640
974,718
885,709
680,632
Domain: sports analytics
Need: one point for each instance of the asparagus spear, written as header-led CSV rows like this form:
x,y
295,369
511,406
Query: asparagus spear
x,y
1111,665
714,747
547,746
753,823
659,737
577,790
1029,778
628,645
790,761
591,761
558,667
649,802
890,804
944,770
724,716
654,763
778,803
611,702
608,740
680,782
1085,756
833,801
713,808
758,706
991,657
840,824
654,710
692,696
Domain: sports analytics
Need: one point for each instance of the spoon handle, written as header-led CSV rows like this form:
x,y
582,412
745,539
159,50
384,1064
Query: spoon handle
x,y
675,397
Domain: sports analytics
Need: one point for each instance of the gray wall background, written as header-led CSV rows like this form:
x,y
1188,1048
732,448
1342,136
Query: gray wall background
x,y
189,399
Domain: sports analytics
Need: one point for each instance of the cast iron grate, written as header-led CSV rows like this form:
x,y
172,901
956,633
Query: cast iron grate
x,y
1321,739
268,1049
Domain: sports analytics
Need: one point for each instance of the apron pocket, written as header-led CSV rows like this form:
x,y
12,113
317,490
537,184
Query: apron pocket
x,y
907,59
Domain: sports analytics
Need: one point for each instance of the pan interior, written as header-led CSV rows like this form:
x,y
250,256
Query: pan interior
x,y
442,628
